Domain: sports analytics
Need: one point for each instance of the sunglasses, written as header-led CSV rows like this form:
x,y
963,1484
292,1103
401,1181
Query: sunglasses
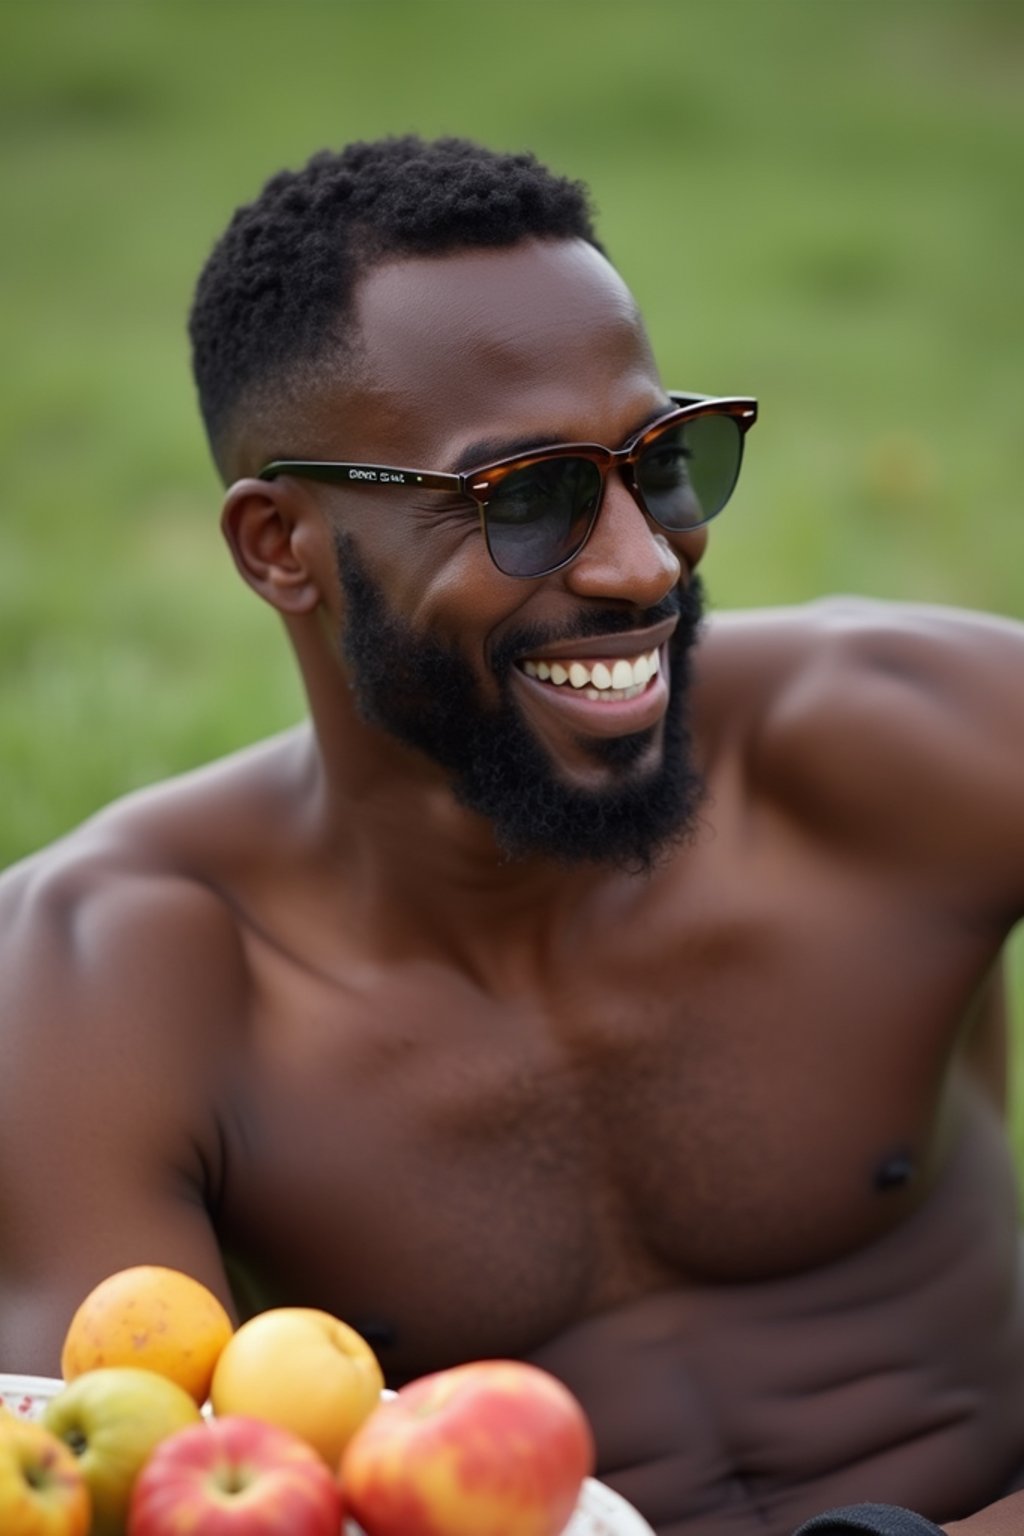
x,y
539,509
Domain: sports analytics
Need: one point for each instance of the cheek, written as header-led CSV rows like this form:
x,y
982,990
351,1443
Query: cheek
x,y
418,567
461,601
442,584
441,579
467,606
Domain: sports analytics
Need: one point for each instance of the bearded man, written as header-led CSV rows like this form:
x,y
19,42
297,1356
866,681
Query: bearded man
x,y
584,982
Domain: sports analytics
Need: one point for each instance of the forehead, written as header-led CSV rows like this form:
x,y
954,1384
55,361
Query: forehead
x,y
544,337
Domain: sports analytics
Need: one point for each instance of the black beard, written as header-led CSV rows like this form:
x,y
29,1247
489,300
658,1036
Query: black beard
x,y
425,694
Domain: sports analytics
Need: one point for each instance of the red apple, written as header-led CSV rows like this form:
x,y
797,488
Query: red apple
x,y
42,1491
235,1477
492,1448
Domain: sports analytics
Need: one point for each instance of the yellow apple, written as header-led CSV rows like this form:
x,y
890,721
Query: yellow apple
x,y
111,1419
42,1491
303,1370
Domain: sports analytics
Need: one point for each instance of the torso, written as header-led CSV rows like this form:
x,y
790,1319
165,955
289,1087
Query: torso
x,y
720,1155
764,1229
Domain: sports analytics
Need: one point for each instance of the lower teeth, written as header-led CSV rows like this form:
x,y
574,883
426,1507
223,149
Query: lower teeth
x,y
606,695
613,695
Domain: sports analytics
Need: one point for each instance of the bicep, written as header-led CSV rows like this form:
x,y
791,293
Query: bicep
x,y
45,1273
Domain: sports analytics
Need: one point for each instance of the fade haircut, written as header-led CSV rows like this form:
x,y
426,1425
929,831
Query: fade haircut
x,y
276,295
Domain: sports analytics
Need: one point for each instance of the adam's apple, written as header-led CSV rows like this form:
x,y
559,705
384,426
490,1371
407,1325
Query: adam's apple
x,y
492,1448
42,1491
111,1419
235,1477
302,1369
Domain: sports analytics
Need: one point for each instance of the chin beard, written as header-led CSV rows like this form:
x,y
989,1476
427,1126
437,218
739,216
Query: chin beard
x,y
425,694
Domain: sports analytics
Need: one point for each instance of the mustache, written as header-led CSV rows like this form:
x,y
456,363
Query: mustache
x,y
686,605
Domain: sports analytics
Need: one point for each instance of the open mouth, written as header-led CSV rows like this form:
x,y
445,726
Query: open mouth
x,y
609,681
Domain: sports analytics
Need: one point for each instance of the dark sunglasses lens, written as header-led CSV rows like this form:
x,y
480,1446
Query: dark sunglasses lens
x,y
687,474
538,516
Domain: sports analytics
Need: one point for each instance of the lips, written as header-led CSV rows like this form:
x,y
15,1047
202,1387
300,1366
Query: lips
x,y
629,643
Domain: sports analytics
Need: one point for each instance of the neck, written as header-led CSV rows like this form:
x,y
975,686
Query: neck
x,y
424,866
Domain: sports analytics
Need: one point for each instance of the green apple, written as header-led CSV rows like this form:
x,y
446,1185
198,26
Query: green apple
x,y
112,1418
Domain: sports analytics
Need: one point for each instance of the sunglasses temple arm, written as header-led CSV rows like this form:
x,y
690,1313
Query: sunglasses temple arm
x,y
361,474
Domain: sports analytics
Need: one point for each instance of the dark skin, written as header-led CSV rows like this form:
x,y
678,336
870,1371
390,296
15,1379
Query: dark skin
x,y
720,1146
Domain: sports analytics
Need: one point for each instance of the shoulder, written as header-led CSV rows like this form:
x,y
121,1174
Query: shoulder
x,y
898,725
136,909
88,902
107,955
836,665
932,646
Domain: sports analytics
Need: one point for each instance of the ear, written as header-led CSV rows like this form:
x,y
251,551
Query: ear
x,y
270,542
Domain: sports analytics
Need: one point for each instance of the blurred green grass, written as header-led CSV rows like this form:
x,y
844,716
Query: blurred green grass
x,y
815,201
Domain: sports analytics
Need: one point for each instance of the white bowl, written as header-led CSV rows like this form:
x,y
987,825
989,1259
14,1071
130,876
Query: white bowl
x,y
27,1396
600,1512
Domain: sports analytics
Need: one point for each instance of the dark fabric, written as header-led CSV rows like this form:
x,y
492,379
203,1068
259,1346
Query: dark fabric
x,y
872,1519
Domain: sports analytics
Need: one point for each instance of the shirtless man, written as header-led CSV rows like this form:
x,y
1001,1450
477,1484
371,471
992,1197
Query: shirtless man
x,y
648,1029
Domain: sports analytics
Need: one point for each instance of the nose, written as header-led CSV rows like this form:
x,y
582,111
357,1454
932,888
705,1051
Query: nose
x,y
628,557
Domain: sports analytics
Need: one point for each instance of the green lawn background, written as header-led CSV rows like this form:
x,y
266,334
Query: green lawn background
x,y
816,201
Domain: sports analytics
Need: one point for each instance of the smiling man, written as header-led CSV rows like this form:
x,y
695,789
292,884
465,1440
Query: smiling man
x,y
585,982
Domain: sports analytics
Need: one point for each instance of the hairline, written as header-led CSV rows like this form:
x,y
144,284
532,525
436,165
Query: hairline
x,y
252,434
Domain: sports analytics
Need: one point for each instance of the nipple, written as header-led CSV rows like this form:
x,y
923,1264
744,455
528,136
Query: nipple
x,y
895,1171
378,1334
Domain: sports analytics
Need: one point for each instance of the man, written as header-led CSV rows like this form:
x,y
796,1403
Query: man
x,y
569,988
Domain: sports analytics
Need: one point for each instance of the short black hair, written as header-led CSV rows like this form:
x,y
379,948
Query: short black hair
x,y
276,291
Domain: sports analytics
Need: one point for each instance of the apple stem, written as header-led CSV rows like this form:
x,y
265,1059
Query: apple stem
x,y
233,1479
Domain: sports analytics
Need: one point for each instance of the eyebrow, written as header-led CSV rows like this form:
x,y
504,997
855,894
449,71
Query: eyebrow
x,y
487,450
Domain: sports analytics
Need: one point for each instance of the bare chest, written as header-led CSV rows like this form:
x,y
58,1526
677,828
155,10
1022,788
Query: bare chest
x,y
463,1173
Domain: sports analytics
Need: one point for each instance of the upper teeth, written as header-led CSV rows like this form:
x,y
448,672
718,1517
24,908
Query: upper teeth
x,y
619,676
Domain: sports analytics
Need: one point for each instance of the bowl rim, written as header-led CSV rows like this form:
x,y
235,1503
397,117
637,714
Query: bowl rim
x,y
35,1386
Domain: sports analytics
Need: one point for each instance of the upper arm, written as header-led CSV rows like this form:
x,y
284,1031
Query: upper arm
x,y
115,991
